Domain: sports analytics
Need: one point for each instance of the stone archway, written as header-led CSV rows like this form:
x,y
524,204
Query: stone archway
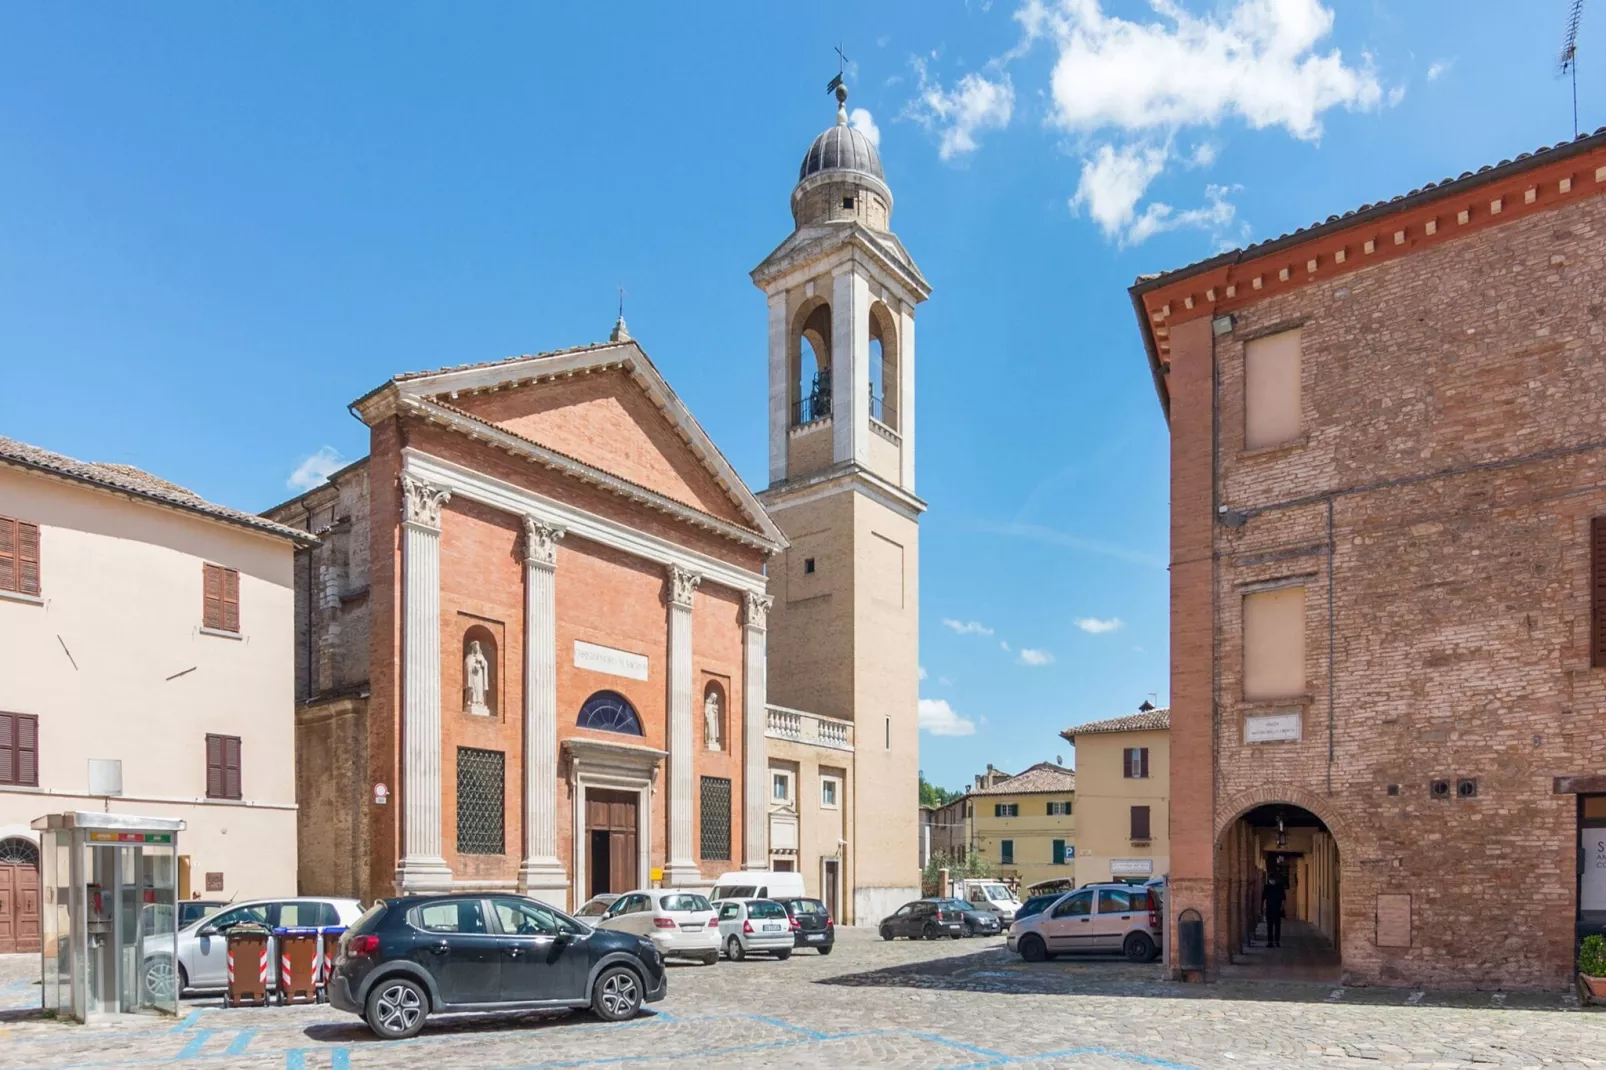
x,y
1236,807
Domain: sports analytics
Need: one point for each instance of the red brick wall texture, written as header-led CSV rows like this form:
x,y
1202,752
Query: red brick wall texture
x,y
1455,412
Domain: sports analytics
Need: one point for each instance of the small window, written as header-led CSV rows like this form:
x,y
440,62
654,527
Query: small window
x,y
19,556
1140,823
715,838
847,202
1059,852
462,916
1006,852
808,566
780,787
1059,809
889,733
1272,413
1077,905
1115,901
609,711
222,767
19,749
830,792
481,801
220,599
1274,643
1006,809
1136,763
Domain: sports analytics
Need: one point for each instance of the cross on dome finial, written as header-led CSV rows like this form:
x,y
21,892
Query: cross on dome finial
x,y
840,87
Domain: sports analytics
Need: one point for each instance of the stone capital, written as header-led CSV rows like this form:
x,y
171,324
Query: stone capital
x,y
757,608
681,585
541,542
421,502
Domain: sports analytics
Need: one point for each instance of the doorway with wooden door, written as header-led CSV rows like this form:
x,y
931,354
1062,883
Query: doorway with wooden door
x,y
19,896
829,868
611,840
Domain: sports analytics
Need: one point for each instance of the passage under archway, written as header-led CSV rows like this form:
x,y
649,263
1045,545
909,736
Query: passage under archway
x,y
1278,864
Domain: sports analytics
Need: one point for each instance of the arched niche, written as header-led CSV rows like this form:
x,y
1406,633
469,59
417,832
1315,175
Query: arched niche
x,y
482,677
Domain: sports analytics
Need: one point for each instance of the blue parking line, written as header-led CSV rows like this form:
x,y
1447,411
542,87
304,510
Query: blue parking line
x,y
241,1042
189,1020
1069,1053
340,1059
197,1042
295,1059
789,1027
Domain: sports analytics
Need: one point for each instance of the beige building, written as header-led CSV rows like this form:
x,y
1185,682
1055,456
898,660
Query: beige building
x,y
844,636
148,670
1025,825
1123,773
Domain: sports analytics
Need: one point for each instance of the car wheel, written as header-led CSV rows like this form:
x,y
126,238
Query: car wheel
x,y
616,995
1138,948
826,950
734,951
159,978
784,955
929,932
886,933
966,928
711,958
396,1009
1032,949
183,980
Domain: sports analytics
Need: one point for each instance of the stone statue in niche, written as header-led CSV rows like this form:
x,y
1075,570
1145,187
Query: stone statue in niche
x,y
711,720
476,681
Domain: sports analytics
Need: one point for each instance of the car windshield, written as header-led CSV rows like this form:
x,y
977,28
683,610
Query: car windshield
x,y
368,915
595,908
735,891
1037,904
806,906
685,901
766,910
997,893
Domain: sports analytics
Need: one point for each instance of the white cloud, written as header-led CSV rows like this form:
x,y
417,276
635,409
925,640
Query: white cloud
x,y
1035,658
1003,646
1159,217
966,627
312,471
943,681
974,104
862,119
922,672
1438,68
1113,182
1203,155
1098,626
941,719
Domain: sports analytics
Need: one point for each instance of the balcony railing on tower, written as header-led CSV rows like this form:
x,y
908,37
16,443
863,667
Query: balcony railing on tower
x,y
810,728
816,404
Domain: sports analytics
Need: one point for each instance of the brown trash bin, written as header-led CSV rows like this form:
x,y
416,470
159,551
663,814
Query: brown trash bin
x,y
299,961
250,965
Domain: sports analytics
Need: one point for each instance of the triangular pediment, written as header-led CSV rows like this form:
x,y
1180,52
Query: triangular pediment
x,y
815,242
607,409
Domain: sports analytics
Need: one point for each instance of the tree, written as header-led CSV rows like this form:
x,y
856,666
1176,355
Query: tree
x,y
933,796
962,865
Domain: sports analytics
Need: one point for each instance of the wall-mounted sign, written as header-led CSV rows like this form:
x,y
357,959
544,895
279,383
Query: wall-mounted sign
x,y
1592,881
656,873
1131,867
608,660
130,837
1272,728
214,882
381,795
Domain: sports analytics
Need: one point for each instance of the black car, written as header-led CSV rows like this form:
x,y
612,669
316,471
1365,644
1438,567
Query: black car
x,y
446,954
811,924
974,921
924,919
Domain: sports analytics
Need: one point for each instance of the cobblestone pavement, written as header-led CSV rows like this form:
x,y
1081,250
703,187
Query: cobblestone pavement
x,y
966,1004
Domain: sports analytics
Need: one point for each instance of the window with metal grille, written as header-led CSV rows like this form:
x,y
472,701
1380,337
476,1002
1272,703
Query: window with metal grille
x,y
480,801
609,711
716,818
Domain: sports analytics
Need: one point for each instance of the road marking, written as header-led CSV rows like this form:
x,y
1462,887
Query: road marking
x,y
241,1042
197,1042
189,1020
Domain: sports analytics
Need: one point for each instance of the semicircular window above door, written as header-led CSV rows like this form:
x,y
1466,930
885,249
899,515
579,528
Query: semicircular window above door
x,y
609,711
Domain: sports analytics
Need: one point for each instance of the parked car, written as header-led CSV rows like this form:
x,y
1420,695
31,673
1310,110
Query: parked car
x,y
811,924
749,925
758,884
1113,918
203,951
988,895
596,906
973,921
681,924
1037,904
408,958
924,919
156,919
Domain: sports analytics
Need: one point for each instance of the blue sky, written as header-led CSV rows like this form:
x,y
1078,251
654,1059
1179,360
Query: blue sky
x,y
221,223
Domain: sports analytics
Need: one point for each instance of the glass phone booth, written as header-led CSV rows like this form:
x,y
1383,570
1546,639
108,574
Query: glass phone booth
x,y
109,941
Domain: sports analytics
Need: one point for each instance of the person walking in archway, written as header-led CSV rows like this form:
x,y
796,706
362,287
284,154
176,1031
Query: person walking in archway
x,y
1272,897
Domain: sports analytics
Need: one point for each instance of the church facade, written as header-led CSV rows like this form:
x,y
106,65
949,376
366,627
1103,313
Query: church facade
x,y
531,643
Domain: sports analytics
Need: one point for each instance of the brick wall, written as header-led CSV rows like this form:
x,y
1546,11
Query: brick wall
x,y
1455,409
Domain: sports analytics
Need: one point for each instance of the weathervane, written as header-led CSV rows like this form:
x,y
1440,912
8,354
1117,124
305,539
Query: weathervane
x,y
841,67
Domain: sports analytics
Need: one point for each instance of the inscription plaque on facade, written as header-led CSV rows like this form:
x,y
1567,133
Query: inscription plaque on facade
x,y
1131,867
606,659
214,882
1272,728
1394,920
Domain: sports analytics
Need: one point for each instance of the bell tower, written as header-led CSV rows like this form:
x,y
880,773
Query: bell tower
x,y
843,633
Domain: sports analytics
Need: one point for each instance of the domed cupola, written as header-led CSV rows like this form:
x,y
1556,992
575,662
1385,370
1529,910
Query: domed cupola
x,y
840,180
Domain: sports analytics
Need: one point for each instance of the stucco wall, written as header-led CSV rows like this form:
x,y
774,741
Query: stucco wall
x,y
1105,797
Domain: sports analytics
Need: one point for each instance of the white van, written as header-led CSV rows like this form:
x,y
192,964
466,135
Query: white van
x,y
758,884
990,895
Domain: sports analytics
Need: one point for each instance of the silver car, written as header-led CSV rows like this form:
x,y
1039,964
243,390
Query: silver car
x,y
1108,918
749,925
203,946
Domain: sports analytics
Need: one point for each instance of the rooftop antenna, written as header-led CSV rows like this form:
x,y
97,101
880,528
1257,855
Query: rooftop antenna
x,y
1568,63
620,332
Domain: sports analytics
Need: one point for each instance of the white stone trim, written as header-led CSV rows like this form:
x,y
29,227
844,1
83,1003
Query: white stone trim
x,y
850,380
681,870
843,481
906,395
422,867
780,385
613,767
803,262
540,873
755,846
487,490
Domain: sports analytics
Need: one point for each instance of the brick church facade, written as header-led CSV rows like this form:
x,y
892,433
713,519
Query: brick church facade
x,y
531,643
1388,579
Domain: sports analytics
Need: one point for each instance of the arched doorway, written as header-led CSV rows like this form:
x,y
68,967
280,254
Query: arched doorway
x,y
1288,846
19,895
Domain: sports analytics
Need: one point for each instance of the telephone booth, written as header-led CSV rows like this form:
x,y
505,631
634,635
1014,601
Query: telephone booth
x,y
109,942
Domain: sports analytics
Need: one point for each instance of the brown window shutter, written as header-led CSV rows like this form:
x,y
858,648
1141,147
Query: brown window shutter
x,y
8,554
1143,761
1140,822
27,557
1597,623
1126,763
214,767
27,751
231,600
212,597
231,767
8,748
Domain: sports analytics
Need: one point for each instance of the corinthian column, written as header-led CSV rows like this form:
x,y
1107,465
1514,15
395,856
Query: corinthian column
x,y
422,868
755,766
541,875
682,869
